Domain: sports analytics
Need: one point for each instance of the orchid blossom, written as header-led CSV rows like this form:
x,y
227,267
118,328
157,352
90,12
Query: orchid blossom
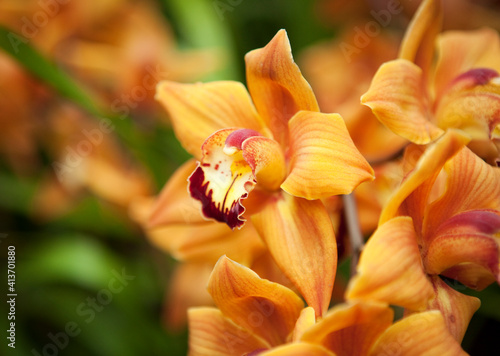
x,y
258,317
276,150
440,222
419,98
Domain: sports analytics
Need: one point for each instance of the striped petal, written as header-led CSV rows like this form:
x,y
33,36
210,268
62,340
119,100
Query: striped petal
x,y
390,268
212,334
472,185
350,329
264,308
324,160
457,308
277,86
299,235
399,99
427,169
198,110
418,334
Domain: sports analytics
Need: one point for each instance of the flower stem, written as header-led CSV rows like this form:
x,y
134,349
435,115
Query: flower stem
x,y
353,228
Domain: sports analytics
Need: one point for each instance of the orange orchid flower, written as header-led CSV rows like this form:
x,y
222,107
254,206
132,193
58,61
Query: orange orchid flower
x,y
442,221
275,148
258,317
419,98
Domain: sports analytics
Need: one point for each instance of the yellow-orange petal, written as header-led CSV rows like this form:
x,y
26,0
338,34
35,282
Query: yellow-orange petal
x,y
198,110
390,268
457,308
471,103
221,181
471,275
472,185
174,205
419,40
399,99
265,157
350,329
298,349
266,309
300,237
207,241
212,334
418,334
460,51
427,168
306,320
324,160
277,86
445,251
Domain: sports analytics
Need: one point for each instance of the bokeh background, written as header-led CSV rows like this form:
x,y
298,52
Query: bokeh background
x,y
83,143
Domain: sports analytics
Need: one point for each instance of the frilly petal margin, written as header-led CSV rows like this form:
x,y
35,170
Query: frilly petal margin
x,y
277,86
221,181
266,309
212,334
299,234
324,161
418,334
398,98
198,110
390,268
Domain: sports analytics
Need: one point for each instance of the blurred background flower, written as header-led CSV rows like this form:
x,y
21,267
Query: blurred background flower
x,y
84,148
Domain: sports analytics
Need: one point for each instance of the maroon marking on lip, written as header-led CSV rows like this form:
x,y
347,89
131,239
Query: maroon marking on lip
x,y
477,76
200,191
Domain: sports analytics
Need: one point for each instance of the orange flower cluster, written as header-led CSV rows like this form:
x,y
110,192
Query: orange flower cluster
x,y
258,199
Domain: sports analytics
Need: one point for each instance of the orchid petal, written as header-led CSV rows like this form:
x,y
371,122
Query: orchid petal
x,y
266,309
198,110
350,329
472,184
324,160
427,169
300,237
457,308
398,98
472,103
418,334
277,86
448,250
221,181
207,242
174,205
390,268
460,51
418,43
306,320
265,157
471,275
298,349
212,334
